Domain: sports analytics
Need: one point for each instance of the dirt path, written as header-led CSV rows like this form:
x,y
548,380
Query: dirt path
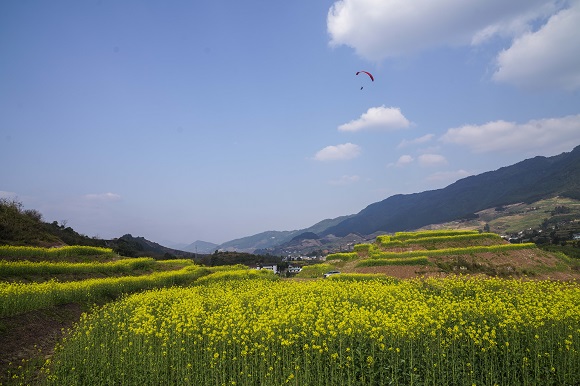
x,y
33,334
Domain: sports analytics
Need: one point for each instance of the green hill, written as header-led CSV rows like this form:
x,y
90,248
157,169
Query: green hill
x,y
25,227
19,226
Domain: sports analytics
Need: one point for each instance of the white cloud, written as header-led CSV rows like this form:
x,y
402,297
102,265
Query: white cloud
x,y
339,152
540,137
544,51
431,160
416,141
345,180
547,58
377,29
102,197
377,118
450,176
404,160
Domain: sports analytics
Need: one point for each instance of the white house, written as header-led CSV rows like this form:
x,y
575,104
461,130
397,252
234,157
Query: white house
x,y
273,268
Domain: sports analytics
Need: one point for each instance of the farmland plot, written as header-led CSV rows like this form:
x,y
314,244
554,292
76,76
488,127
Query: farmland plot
x,y
452,331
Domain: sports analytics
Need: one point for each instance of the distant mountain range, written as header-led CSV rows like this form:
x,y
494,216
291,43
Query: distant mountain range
x,y
201,247
271,239
527,181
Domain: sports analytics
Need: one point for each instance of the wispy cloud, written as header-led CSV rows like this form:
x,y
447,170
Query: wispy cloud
x,y
345,180
339,152
404,160
417,141
377,118
541,136
431,160
102,197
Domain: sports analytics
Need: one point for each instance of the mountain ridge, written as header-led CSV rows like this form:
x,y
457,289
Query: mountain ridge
x,y
269,239
525,181
528,181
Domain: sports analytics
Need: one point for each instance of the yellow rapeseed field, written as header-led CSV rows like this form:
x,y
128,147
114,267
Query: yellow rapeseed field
x,y
453,331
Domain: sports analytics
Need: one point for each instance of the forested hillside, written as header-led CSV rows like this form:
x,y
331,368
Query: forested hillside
x,y
527,181
19,226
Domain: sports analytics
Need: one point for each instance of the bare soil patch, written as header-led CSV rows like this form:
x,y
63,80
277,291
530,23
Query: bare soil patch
x,y
33,334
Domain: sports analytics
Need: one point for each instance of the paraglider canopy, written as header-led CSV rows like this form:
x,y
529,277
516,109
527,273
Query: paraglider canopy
x,y
368,73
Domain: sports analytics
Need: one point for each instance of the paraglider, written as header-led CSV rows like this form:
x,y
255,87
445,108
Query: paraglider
x,y
368,73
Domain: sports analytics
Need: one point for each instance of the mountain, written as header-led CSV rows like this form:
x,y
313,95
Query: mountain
x,y
270,239
310,244
201,247
527,181
524,182
306,236
128,245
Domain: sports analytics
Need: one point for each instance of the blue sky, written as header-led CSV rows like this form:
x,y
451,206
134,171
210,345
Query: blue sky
x,y
214,120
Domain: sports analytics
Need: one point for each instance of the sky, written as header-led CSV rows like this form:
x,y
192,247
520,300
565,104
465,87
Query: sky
x,y
215,120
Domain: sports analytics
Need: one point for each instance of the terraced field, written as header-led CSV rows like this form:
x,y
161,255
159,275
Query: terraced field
x,y
444,252
43,290
146,322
